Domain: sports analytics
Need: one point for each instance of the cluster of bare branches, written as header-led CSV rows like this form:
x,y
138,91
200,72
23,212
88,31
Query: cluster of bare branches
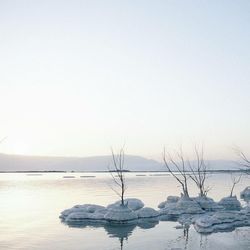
x,y
199,172
179,167
245,162
179,164
235,180
118,177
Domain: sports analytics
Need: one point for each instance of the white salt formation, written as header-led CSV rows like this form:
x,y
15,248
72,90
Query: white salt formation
x,y
245,194
228,219
132,203
222,221
83,212
207,204
80,216
170,199
207,215
120,214
230,203
117,213
147,212
177,207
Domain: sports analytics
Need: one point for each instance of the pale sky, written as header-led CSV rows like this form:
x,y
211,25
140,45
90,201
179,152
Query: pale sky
x,y
77,77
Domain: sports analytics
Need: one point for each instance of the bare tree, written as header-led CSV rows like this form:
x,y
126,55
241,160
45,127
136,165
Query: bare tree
x,y
199,172
235,180
180,167
119,177
244,160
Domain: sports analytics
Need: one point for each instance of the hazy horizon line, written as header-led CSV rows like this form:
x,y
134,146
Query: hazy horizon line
x,y
105,155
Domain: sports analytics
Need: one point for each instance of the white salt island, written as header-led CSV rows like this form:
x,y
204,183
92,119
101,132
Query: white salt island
x,y
132,210
204,213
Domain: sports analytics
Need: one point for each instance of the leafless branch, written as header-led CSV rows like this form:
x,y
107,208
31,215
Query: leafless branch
x,y
199,172
119,178
235,180
180,166
245,162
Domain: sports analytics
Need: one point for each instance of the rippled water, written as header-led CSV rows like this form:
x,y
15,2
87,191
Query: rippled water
x,y
30,206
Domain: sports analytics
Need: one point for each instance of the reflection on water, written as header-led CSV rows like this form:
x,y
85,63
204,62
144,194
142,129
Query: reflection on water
x,y
121,232
30,206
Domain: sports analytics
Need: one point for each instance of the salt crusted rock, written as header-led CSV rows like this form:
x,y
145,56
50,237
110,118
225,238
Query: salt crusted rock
x,y
221,221
132,203
113,213
245,194
147,212
81,216
184,205
86,208
120,214
170,199
230,203
188,206
208,204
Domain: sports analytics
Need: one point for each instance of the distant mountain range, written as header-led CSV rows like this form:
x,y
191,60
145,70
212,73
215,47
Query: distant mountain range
x,y
95,163
9,163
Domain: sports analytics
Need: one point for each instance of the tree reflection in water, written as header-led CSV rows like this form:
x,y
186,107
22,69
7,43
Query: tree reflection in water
x,y
123,231
119,231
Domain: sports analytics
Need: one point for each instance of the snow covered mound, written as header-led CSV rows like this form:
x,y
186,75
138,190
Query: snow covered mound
x,y
206,215
221,221
170,199
166,207
246,210
208,204
81,216
188,206
162,204
245,194
132,203
184,205
120,214
132,210
147,212
87,210
230,203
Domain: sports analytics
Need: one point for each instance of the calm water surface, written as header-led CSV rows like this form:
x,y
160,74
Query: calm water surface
x,y
30,206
